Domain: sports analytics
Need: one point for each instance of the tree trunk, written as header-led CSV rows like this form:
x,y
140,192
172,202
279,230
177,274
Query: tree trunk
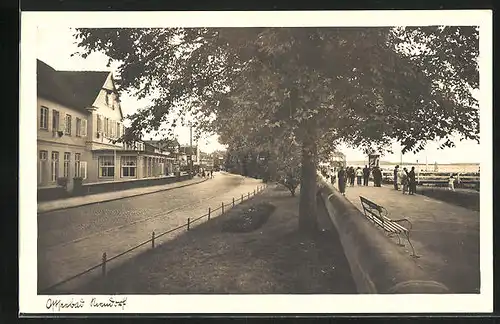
x,y
308,222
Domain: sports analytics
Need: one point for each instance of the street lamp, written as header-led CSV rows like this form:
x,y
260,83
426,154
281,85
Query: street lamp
x,y
418,172
190,150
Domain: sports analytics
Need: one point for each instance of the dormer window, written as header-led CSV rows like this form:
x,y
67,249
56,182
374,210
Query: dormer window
x,y
109,98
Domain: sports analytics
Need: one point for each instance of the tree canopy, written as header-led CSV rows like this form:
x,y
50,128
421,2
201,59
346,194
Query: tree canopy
x,y
316,87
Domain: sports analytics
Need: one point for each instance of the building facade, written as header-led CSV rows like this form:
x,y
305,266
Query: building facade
x,y
79,120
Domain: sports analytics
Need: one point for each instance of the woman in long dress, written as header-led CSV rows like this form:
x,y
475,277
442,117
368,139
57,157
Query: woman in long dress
x,y
342,178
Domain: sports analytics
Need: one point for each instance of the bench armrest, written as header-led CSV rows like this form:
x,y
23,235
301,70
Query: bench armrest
x,y
383,210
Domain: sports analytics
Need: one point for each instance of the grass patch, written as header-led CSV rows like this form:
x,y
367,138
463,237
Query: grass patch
x,y
273,259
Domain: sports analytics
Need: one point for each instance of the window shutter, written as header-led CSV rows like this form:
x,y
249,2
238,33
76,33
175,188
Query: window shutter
x,y
83,126
83,169
99,124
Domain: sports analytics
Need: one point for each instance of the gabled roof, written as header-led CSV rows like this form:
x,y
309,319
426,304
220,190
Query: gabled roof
x,y
76,89
86,85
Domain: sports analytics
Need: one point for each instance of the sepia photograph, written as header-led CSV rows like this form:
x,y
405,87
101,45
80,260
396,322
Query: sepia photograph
x,y
228,161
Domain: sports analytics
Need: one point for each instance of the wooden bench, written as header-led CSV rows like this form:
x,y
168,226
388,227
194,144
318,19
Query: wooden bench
x,y
378,215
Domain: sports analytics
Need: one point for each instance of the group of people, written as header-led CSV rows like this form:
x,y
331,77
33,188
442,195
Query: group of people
x,y
206,173
408,181
349,174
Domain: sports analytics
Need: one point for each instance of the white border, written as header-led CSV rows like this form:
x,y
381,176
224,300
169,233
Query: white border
x,y
29,302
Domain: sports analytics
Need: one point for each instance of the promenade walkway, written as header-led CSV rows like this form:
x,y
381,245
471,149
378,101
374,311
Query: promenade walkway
x,y
445,236
47,206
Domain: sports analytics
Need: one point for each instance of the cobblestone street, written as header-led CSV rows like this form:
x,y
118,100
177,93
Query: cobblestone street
x,y
72,240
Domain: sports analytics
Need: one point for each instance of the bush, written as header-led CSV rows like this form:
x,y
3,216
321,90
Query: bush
x,y
249,219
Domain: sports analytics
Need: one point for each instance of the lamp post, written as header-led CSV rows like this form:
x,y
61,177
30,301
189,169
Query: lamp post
x,y
191,150
418,172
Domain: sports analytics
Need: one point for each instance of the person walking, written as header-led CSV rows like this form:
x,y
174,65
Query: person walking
x,y
411,181
212,173
404,180
359,175
395,178
366,175
451,182
352,176
341,175
332,176
377,176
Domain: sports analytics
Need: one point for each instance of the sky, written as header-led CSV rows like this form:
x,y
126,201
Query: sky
x,y
56,52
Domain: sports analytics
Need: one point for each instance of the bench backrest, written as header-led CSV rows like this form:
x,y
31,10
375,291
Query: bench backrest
x,y
371,208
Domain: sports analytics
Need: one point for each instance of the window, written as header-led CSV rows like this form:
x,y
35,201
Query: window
x,y
83,170
112,128
78,157
118,130
161,168
44,118
78,127
68,124
106,166
84,128
55,120
129,165
67,157
150,167
43,155
55,166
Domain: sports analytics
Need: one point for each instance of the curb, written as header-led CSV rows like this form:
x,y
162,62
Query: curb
x,y
118,198
377,264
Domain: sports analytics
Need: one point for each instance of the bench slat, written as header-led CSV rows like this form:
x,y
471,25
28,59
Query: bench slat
x,y
386,223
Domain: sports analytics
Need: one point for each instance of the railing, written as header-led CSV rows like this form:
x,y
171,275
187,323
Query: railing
x,y
224,207
439,178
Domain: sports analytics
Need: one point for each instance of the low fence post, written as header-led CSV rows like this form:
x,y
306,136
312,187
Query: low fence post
x,y
233,201
222,208
153,240
241,197
189,221
208,213
104,258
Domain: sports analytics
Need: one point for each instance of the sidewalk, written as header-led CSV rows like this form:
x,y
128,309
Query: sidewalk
x,y
445,236
47,206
